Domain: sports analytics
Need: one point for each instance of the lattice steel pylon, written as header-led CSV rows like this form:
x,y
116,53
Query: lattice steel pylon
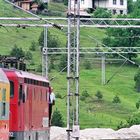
x,y
73,72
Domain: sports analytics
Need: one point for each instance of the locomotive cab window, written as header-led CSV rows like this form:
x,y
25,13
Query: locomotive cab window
x,y
3,94
3,110
20,92
11,89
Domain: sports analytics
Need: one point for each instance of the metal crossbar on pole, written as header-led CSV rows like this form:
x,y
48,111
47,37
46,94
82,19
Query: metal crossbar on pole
x,y
96,50
84,22
64,25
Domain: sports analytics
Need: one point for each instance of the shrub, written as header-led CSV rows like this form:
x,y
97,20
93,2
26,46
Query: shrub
x,y
84,95
58,95
116,100
138,104
57,119
99,95
102,13
132,120
122,125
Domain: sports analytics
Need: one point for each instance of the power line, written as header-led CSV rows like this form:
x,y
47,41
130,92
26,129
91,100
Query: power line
x,y
115,72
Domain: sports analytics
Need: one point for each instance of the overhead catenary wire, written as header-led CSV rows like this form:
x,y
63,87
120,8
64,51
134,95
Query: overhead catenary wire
x,y
116,72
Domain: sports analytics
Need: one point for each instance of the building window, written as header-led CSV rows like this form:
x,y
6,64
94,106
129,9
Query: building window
x,y
121,12
114,12
114,2
121,2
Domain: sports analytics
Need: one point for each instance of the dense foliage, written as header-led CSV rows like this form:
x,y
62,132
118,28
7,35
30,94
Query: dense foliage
x,y
123,37
102,13
52,41
99,95
132,120
57,119
17,52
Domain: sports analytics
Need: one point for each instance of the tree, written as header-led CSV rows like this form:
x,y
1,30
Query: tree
x,y
136,9
17,52
33,46
137,81
102,13
122,37
116,100
130,6
99,95
41,5
66,2
52,41
57,119
125,37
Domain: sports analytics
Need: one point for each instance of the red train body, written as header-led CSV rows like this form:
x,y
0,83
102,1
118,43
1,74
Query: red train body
x,y
29,117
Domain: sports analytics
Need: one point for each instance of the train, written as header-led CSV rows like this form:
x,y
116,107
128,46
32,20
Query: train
x,y
24,106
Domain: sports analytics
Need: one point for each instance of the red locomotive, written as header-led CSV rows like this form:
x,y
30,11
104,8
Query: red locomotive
x,y
29,97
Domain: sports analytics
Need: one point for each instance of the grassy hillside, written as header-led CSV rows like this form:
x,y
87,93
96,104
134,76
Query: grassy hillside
x,y
93,113
7,10
104,113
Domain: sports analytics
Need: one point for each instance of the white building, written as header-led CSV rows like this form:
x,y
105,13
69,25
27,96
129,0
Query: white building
x,y
116,6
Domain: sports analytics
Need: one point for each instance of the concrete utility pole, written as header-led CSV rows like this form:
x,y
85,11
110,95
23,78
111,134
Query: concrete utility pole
x,y
103,69
68,70
45,55
77,129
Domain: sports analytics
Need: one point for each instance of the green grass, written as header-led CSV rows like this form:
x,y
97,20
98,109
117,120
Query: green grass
x,y
60,7
6,10
94,113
